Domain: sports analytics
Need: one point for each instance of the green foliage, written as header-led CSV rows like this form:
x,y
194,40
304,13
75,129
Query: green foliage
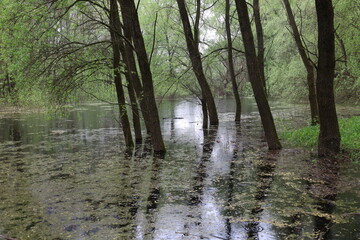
x,y
347,82
52,54
44,50
304,137
307,137
350,132
285,71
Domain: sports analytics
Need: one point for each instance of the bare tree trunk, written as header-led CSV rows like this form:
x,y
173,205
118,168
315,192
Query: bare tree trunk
x,y
205,114
197,23
129,9
195,57
260,43
255,80
231,63
307,63
329,137
130,87
134,107
114,26
130,65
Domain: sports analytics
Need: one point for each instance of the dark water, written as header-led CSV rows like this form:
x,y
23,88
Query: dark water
x,y
69,178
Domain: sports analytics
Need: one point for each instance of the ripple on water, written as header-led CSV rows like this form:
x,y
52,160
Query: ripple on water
x,y
73,181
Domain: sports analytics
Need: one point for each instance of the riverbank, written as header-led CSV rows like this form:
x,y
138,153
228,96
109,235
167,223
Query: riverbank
x,y
306,137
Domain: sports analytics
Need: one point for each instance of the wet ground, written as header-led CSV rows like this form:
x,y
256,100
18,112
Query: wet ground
x,y
69,178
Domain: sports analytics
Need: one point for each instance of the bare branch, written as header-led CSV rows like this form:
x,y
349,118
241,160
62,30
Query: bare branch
x,y
154,39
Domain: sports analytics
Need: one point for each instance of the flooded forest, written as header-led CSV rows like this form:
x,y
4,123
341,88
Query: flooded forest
x,y
179,120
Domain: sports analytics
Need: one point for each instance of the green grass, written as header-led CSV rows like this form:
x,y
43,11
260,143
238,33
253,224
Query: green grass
x,y
307,137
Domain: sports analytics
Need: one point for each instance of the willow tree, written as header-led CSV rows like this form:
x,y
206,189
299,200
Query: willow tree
x,y
130,65
192,42
231,62
329,137
132,97
129,11
254,76
309,66
115,43
260,42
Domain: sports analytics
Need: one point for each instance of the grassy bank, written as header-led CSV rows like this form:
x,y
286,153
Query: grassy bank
x,y
307,137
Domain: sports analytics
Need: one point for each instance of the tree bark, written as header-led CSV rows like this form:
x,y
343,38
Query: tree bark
x,y
260,43
195,58
134,104
129,9
128,76
130,66
205,114
254,75
130,87
115,41
307,63
231,63
329,137
197,23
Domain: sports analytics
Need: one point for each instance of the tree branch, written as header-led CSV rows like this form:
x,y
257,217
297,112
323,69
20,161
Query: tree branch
x,y
154,39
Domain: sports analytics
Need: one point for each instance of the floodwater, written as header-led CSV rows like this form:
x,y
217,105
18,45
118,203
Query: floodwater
x,y
70,178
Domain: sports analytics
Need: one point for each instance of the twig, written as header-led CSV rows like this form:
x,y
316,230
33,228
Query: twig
x,y
97,98
154,39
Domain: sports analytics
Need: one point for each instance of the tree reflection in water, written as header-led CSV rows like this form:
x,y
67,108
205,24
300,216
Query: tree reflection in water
x,y
326,174
231,181
73,180
195,197
264,178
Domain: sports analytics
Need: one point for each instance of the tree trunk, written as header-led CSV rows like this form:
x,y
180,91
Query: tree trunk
x,y
134,107
205,114
329,137
255,80
114,26
129,9
231,63
307,63
197,23
130,66
130,87
260,43
195,58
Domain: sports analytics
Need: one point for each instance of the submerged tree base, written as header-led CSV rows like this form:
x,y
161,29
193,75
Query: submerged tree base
x,y
219,183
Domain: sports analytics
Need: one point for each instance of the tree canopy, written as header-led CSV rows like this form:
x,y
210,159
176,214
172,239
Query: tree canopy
x,y
61,49
59,52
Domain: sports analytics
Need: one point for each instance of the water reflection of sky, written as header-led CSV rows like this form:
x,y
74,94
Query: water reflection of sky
x,y
69,179
183,123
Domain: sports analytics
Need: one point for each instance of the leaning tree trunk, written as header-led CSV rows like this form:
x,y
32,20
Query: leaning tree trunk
x,y
231,63
131,91
114,27
134,107
130,65
307,63
254,75
129,9
127,73
195,58
329,137
260,43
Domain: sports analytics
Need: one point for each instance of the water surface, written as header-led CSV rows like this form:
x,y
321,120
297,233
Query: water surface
x,y
70,178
